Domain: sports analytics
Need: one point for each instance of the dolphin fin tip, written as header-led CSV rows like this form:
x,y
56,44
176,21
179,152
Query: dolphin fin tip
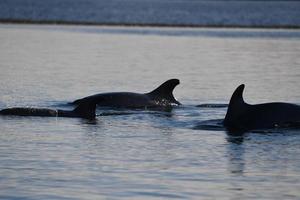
x,y
242,86
166,90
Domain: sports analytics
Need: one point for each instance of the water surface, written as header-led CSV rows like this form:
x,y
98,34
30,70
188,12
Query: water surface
x,y
130,154
249,13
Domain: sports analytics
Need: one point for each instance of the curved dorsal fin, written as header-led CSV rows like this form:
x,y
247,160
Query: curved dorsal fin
x,y
236,106
237,96
165,90
86,109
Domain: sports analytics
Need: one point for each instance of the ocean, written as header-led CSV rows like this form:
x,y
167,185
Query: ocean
x,y
235,13
144,154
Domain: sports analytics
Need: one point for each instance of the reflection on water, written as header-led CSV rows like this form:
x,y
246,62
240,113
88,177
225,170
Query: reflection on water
x,y
183,153
235,154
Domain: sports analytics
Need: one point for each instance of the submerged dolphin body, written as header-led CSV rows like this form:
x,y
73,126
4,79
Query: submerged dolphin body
x,y
84,110
160,97
241,116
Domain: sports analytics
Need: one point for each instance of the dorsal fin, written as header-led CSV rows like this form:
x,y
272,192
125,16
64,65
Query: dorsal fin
x,y
165,91
86,109
235,107
237,96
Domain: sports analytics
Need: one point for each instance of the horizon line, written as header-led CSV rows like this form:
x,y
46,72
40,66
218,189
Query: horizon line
x,y
183,25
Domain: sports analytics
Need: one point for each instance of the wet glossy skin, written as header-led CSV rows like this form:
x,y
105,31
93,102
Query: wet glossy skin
x,y
243,116
161,96
84,110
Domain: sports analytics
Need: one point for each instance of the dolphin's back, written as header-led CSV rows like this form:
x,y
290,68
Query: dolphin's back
x,y
269,115
118,99
29,112
159,97
83,110
243,116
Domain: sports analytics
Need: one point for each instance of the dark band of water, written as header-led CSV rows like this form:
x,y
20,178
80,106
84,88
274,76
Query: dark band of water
x,y
180,25
167,30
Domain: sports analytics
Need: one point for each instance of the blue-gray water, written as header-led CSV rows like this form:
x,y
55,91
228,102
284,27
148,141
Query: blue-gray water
x,y
128,154
276,13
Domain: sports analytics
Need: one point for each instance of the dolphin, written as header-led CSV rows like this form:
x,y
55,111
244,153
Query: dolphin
x,y
160,97
84,110
241,116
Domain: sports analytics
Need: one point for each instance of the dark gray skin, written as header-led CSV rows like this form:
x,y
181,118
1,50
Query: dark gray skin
x,y
84,110
241,116
160,97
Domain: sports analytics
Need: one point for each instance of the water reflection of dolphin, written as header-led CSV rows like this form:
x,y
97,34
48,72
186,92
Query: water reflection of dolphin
x,y
160,97
241,116
83,110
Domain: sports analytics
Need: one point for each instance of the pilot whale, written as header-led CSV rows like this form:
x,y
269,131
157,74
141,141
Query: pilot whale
x,y
160,97
241,116
84,110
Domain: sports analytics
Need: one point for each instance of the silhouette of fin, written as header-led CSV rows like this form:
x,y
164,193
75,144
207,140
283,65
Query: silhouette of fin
x,y
86,109
165,90
237,96
236,106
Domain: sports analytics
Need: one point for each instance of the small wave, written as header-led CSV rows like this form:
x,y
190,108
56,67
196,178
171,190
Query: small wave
x,y
217,125
212,105
116,113
111,112
287,127
291,127
210,125
159,195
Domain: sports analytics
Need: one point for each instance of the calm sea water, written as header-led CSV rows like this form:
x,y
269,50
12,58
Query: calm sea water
x,y
129,154
168,12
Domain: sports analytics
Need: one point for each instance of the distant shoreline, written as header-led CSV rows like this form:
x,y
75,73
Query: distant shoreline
x,y
58,22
